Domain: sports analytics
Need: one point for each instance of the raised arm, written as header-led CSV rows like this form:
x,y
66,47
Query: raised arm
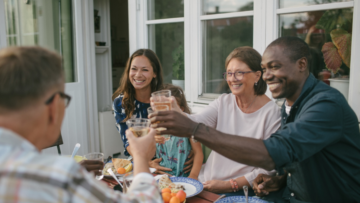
x,y
244,150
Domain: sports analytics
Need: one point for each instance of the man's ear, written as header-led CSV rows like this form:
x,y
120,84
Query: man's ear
x,y
302,64
53,110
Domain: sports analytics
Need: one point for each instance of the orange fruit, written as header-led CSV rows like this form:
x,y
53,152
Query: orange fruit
x,y
173,194
166,197
181,195
174,200
121,170
166,190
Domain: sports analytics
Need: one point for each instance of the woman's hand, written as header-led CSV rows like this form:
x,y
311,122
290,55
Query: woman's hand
x,y
189,164
159,169
218,186
159,139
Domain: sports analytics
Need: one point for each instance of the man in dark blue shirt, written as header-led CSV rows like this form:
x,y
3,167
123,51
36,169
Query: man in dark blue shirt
x,y
318,144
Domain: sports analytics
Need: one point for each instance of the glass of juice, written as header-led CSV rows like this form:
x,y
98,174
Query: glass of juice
x,y
161,98
139,126
155,109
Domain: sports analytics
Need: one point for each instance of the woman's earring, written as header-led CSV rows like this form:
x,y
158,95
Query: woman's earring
x,y
255,83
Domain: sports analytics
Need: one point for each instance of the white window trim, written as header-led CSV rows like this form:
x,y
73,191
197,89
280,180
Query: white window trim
x,y
265,17
3,42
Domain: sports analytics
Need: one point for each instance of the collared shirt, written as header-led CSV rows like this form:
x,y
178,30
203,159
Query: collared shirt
x,y
140,111
28,176
318,144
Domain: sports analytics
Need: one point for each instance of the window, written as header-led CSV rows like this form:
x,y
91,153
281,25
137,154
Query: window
x,y
328,34
166,37
206,31
220,35
46,23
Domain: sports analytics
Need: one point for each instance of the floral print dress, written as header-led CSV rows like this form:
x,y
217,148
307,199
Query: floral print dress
x,y
174,154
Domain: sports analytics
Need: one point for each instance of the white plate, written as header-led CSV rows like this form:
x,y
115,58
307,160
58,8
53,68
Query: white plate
x,y
130,177
192,186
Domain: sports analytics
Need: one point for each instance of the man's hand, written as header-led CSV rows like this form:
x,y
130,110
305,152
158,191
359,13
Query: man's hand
x,y
175,123
143,147
159,169
217,186
263,184
93,166
189,164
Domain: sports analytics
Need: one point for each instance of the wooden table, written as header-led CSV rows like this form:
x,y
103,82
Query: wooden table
x,y
203,197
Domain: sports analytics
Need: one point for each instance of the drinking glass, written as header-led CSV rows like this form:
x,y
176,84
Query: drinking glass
x,y
139,126
96,156
155,109
161,98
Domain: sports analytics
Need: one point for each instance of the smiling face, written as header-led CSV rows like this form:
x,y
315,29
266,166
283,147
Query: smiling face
x,y
246,84
283,76
141,73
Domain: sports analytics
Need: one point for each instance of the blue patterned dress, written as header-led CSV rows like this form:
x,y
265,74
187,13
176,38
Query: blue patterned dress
x,y
119,113
174,154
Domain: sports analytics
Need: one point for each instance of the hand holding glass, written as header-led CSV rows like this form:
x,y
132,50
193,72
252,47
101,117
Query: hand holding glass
x,y
139,126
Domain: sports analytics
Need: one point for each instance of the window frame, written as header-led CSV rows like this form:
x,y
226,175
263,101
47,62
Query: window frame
x,y
266,29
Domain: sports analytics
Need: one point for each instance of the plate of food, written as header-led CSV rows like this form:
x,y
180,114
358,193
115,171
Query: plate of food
x,y
240,199
190,186
120,167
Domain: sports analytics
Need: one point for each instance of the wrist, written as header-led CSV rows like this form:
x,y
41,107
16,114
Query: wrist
x,y
234,185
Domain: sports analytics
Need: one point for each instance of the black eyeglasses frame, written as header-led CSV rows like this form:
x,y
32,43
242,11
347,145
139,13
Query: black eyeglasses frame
x,y
62,95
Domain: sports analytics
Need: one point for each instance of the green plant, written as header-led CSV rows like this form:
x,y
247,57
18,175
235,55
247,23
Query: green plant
x,y
338,51
178,65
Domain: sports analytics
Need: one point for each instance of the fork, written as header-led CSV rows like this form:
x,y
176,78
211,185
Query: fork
x,y
245,188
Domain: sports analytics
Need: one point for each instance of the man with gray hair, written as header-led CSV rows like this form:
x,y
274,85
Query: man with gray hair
x,y
32,107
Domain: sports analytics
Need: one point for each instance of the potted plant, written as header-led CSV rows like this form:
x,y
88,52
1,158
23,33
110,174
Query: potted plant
x,y
178,67
337,52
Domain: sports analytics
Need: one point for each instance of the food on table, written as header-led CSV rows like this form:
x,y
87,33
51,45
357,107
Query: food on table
x,y
166,196
181,195
106,167
121,170
166,190
118,165
174,200
78,158
171,192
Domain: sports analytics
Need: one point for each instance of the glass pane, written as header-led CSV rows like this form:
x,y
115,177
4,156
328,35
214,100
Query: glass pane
x,y
220,37
297,3
226,6
167,40
160,9
47,23
323,31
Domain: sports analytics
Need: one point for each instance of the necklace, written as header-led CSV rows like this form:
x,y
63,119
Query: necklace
x,y
245,110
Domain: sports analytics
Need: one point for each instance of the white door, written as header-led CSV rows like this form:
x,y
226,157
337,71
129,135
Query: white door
x,y
63,26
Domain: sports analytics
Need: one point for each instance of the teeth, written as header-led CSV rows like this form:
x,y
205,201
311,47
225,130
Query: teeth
x,y
139,80
273,86
236,85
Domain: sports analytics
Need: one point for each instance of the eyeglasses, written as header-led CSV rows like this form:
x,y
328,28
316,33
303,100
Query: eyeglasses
x,y
62,95
238,75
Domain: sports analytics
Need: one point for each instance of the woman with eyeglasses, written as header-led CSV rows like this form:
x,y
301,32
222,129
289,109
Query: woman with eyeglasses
x,y
245,111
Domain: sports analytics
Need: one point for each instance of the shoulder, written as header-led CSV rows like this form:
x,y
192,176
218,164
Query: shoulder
x,y
118,101
224,98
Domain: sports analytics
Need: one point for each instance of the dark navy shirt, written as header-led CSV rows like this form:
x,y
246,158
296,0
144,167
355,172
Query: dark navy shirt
x,y
318,144
140,111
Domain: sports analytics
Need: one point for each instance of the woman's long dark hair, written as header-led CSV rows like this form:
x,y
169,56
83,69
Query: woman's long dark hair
x,y
128,90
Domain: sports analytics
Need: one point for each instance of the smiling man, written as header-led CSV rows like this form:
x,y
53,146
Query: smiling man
x,y
317,145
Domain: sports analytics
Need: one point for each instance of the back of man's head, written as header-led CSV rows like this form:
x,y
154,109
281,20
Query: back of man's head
x,y
294,47
26,75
